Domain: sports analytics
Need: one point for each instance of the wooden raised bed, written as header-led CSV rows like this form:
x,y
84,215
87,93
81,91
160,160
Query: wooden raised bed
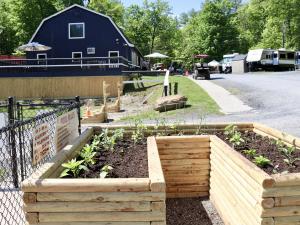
x,y
49,200
245,194
242,192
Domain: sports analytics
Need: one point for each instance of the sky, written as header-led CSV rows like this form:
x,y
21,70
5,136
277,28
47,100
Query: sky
x,y
179,6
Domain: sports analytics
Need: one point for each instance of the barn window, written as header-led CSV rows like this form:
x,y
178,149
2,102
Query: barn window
x,y
76,30
77,55
113,59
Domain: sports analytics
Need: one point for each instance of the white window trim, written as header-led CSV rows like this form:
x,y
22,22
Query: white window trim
x,y
38,55
113,65
76,53
69,28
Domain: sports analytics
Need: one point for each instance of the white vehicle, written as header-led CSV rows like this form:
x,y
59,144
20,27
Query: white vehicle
x,y
297,65
269,59
226,62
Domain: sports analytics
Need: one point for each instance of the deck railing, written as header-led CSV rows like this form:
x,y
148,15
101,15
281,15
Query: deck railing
x,y
8,66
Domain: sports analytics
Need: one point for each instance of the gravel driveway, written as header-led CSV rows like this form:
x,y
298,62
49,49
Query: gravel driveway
x,y
275,98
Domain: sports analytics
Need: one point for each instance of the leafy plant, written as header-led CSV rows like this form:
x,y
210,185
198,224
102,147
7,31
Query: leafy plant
x,y
108,142
88,154
250,152
261,161
105,171
138,133
2,174
236,139
230,130
73,168
287,152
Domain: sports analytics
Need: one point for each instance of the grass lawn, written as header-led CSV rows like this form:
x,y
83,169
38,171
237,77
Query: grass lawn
x,y
198,100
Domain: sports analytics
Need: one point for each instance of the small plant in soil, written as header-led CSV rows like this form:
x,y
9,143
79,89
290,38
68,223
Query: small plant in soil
x,y
139,133
108,142
251,152
262,161
287,152
105,171
236,139
230,130
73,168
87,154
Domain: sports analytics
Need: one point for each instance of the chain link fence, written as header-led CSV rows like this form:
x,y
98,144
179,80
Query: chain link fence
x,y
16,151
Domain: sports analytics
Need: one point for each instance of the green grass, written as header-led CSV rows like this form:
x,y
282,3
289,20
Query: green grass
x,y
198,100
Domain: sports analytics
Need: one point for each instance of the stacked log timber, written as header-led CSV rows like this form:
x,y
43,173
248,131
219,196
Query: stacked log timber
x,y
49,200
185,162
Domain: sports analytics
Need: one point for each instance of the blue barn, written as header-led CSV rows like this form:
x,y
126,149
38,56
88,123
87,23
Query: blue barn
x,y
83,42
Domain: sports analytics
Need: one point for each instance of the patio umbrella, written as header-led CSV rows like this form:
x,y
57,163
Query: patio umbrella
x,y
156,55
33,47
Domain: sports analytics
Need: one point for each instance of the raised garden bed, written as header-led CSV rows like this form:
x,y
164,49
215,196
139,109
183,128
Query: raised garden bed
x,y
127,201
193,166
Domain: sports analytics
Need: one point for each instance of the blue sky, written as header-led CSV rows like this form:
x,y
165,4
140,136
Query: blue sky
x,y
179,6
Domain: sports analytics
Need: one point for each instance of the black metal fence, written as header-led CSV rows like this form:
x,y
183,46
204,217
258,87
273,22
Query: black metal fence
x,y
16,150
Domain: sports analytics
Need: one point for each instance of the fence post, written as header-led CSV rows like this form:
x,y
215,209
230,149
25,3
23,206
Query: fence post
x,y
12,142
20,134
170,89
77,99
176,88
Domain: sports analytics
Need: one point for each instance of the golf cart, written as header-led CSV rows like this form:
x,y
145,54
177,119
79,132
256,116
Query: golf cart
x,y
201,69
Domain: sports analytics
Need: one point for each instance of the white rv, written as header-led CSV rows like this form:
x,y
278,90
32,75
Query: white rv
x,y
226,62
269,59
297,64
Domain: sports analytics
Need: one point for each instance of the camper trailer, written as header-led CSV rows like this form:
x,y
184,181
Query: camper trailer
x,y
297,64
269,59
226,62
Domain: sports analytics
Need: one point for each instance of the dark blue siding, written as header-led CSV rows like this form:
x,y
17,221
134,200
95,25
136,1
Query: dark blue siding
x,y
99,33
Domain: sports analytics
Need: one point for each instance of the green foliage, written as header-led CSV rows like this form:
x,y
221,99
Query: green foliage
x,y
230,130
236,139
109,141
261,161
2,174
88,154
73,168
105,171
138,133
287,152
111,8
250,152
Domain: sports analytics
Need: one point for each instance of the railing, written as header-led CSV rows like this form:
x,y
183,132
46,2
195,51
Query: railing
x,y
65,65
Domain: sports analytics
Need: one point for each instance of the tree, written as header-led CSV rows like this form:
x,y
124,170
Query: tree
x,y
151,26
111,8
210,32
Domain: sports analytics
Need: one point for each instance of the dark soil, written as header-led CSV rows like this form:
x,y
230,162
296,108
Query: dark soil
x,y
128,160
266,147
186,211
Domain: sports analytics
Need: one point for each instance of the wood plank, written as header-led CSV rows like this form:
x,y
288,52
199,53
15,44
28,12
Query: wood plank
x,y
185,162
102,216
287,201
180,139
184,145
190,173
100,197
281,192
282,211
285,180
87,185
185,156
188,180
186,167
193,188
29,197
170,151
156,176
94,223
291,220
32,217
87,207
256,173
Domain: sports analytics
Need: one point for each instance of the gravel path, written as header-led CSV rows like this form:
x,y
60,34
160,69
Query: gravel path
x,y
274,97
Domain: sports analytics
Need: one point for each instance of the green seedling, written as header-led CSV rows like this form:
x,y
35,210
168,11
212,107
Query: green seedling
x,y
230,130
139,132
287,152
250,152
261,161
88,154
108,142
105,171
236,139
73,168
